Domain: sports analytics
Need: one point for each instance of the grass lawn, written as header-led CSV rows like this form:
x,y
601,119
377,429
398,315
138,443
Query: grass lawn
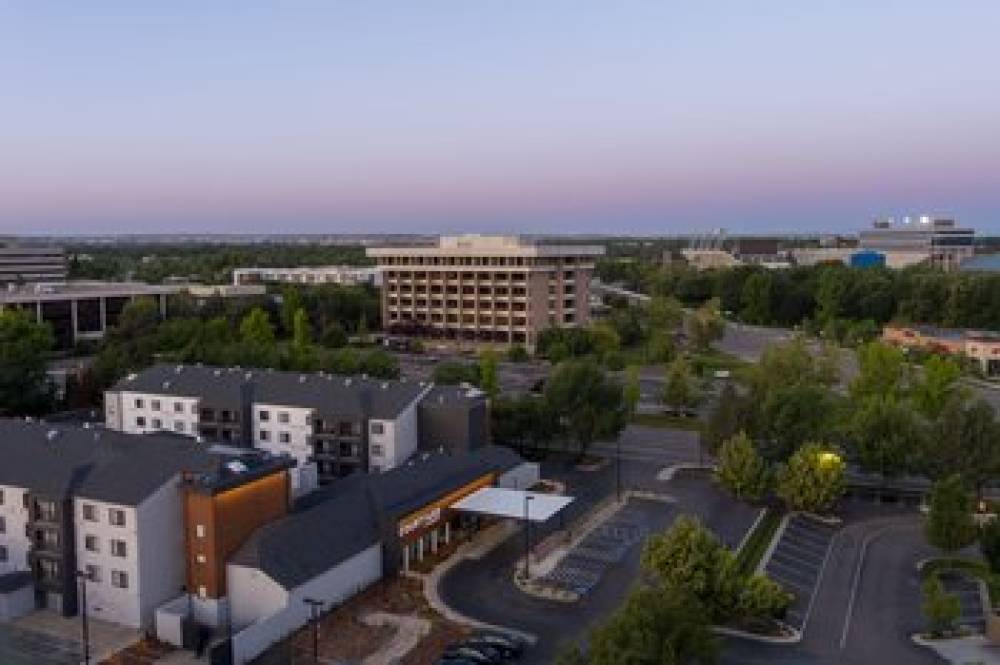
x,y
667,421
973,567
759,540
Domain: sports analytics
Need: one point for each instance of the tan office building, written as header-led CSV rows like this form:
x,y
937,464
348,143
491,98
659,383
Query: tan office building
x,y
485,288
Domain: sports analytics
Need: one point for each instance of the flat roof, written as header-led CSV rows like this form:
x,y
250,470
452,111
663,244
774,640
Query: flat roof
x,y
502,502
83,289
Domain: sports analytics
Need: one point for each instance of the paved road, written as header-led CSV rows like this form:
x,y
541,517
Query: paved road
x,y
484,588
653,445
868,601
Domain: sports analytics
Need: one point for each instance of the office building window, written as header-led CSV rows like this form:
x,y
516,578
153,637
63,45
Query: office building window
x,y
116,517
118,548
93,573
91,544
377,428
119,579
284,437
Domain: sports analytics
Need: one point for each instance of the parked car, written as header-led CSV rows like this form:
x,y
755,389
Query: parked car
x,y
482,655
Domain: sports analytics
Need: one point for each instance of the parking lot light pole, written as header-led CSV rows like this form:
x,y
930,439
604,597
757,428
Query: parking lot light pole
x,y
84,625
527,538
314,609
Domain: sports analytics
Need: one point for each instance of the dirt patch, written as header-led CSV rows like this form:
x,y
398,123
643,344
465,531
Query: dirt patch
x,y
144,652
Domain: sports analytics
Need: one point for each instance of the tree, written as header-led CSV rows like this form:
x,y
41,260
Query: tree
x,y
965,439
886,435
605,339
489,380
517,354
334,336
706,325
723,419
881,371
812,480
941,609
679,390
938,385
652,626
665,313
24,384
950,525
741,469
301,330
453,372
380,364
521,421
789,416
632,392
256,328
660,347
989,544
585,402
291,303
756,298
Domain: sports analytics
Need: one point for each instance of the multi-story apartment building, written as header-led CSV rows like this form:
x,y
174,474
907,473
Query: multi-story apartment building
x,y
344,275
331,425
20,265
938,241
100,505
485,288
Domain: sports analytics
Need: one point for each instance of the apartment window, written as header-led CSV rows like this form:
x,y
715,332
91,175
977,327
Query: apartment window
x,y
157,423
178,407
138,404
119,579
1,497
3,524
377,450
284,437
3,553
91,544
49,569
155,405
202,591
116,517
140,422
93,572
264,416
178,426
199,530
89,512
264,435
201,558
45,510
119,548
378,428
283,417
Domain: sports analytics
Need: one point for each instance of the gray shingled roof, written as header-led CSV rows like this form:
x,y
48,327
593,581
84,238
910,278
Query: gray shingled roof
x,y
333,524
352,397
103,465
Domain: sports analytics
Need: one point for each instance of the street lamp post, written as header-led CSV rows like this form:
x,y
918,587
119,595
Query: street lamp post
x,y
527,538
618,470
314,608
84,625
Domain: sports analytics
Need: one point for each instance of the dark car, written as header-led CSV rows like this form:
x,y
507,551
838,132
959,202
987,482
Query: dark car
x,y
507,643
482,654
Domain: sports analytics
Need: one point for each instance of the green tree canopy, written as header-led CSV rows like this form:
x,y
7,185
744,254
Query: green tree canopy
x,y
812,479
723,419
24,346
680,390
706,325
881,372
489,378
256,328
938,384
741,469
886,435
587,404
950,525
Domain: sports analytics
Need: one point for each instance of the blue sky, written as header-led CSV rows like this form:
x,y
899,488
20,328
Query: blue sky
x,y
547,116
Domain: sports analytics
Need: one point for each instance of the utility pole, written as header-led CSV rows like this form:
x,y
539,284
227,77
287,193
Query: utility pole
x,y
527,538
314,608
84,625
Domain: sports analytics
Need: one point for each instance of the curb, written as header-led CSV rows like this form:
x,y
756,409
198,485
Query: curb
x,y
753,527
773,545
794,638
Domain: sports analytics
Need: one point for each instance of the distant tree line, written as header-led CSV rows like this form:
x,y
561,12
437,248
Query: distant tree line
x,y
843,301
208,263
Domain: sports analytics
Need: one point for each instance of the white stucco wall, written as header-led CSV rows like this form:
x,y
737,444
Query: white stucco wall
x,y
126,421
105,601
399,436
161,564
299,428
15,517
253,593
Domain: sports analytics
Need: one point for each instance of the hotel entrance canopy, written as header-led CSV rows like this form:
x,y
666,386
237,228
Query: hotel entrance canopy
x,y
517,504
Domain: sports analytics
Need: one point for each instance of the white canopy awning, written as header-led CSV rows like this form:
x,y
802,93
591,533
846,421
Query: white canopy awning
x,y
501,502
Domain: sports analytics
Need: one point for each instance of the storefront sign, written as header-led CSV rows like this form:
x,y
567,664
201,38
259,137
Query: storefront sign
x,y
431,514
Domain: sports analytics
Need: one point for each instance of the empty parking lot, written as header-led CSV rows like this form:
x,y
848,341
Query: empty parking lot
x,y
797,562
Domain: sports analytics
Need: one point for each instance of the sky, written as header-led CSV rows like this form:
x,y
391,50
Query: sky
x,y
540,116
